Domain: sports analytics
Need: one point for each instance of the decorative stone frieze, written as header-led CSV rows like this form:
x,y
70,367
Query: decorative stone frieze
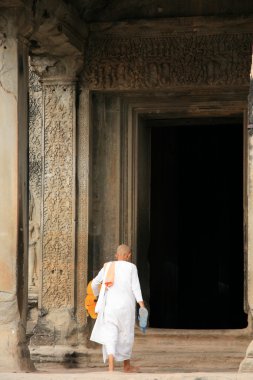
x,y
158,62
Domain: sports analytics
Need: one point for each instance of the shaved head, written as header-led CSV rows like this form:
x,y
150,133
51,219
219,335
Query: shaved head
x,y
123,252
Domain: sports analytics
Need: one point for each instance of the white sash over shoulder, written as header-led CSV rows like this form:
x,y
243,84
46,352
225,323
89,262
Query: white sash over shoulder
x,y
101,299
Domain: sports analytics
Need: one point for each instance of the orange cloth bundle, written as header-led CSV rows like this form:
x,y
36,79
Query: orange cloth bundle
x,y
90,302
90,299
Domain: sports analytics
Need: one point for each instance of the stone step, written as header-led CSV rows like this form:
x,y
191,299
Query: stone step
x,y
162,351
162,361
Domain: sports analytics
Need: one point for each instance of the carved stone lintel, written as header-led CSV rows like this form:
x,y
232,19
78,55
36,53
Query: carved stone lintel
x,y
51,69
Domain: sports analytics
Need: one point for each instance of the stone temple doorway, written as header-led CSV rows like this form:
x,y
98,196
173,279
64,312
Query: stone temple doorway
x,y
169,178
205,136
196,239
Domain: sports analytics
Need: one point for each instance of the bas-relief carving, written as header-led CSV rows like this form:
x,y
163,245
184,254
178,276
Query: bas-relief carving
x,y
58,78
159,62
35,174
33,254
35,133
57,246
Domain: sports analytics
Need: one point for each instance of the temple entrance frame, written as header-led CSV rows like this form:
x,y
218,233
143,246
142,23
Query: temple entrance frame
x,y
124,119
134,112
135,221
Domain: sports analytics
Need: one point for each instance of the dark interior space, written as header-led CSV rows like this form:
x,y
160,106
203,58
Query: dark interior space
x,y
196,250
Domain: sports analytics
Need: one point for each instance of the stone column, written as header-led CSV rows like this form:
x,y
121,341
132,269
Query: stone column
x,y
13,193
247,363
57,322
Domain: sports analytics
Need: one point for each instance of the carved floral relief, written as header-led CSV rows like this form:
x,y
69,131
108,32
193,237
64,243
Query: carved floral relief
x,y
58,196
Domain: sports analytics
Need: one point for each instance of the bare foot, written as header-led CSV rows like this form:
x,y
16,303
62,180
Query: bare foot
x,y
132,369
111,363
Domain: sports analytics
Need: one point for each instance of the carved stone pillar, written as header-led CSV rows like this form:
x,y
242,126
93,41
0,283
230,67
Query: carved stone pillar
x,y
13,192
247,363
57,322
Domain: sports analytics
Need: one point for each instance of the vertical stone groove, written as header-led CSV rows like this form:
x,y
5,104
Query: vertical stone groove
x,y
83,203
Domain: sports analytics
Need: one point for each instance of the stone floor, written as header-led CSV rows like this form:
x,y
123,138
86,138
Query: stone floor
x,y
161,355
159,351
95,375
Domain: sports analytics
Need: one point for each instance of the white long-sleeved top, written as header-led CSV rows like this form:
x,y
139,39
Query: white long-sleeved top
x,y
126,278
119,309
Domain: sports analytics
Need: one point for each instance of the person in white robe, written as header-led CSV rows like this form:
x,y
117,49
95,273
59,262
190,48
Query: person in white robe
x,y
114,327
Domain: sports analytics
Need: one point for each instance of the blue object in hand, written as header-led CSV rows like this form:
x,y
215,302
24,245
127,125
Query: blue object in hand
x,y
143,319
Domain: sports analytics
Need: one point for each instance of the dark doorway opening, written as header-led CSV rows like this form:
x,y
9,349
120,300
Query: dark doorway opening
x,y
196,252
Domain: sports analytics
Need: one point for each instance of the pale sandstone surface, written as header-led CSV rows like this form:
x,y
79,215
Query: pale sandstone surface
x,y
119,375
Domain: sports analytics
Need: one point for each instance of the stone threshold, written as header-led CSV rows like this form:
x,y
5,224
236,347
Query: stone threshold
x,y
196,333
